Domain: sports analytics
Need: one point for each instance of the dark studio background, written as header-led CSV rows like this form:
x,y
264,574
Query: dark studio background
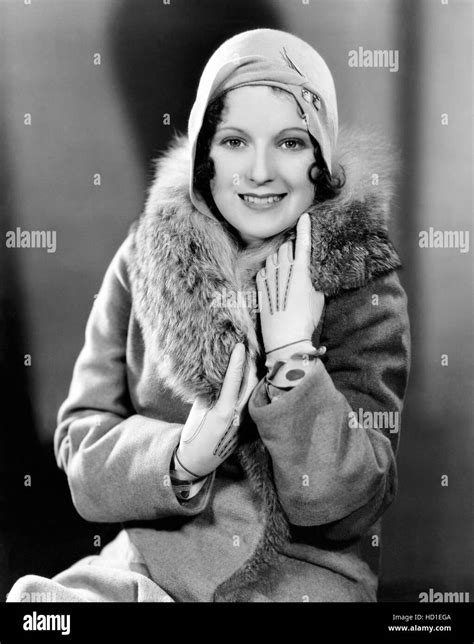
x,y
108,119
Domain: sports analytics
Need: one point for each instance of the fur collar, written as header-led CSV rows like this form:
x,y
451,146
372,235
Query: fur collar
x,y
181,259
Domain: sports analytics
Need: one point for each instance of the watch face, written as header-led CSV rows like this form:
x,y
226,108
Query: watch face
x,y
181,488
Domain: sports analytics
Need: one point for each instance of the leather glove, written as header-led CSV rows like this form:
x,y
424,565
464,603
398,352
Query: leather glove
x,y
210,434
290,308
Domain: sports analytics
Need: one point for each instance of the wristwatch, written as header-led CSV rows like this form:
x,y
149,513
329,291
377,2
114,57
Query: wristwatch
x,y
181,488
286,374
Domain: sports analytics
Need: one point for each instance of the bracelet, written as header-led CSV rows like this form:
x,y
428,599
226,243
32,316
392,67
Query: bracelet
x,y
288,345
197,477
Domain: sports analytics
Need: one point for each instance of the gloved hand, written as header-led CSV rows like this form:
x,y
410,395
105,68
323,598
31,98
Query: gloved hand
x,y
290,308
210,434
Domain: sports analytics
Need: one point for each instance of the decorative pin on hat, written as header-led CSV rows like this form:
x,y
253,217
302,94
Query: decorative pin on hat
x,y
309,97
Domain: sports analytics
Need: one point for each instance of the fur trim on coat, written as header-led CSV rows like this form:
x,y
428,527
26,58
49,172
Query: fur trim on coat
x,y
181,259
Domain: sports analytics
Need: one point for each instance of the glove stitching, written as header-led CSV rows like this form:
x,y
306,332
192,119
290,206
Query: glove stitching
x,y
229,447
277,288
287,286
224,435
268,295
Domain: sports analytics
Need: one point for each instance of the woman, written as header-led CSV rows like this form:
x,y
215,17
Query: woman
x,y
245,334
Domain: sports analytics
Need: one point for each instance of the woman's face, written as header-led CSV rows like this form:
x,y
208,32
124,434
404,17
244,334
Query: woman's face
x,y
261,152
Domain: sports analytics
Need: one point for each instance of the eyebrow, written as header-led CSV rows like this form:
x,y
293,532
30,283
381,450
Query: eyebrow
x,y
238,129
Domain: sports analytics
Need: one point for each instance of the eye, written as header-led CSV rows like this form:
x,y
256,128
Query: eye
x,y
293,144
231,141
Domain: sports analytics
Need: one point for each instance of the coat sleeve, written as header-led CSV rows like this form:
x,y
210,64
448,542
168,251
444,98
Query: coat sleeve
x,y
117,461
331,470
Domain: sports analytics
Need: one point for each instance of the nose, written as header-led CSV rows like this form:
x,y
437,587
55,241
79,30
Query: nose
x,y
261,168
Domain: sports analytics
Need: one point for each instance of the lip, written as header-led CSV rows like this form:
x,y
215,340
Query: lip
x,y
262,206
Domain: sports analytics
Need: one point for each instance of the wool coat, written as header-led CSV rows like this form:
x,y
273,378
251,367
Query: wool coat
x,y
294,513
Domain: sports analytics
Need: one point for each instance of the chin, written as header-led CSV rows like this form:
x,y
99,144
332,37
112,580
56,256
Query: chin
x,y
260,234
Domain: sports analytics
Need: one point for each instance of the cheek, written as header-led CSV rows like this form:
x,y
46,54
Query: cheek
x,y
303,190
297,174
222,187
224,178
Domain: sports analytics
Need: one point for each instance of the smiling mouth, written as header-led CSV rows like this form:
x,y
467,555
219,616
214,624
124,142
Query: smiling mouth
x,y
262,202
